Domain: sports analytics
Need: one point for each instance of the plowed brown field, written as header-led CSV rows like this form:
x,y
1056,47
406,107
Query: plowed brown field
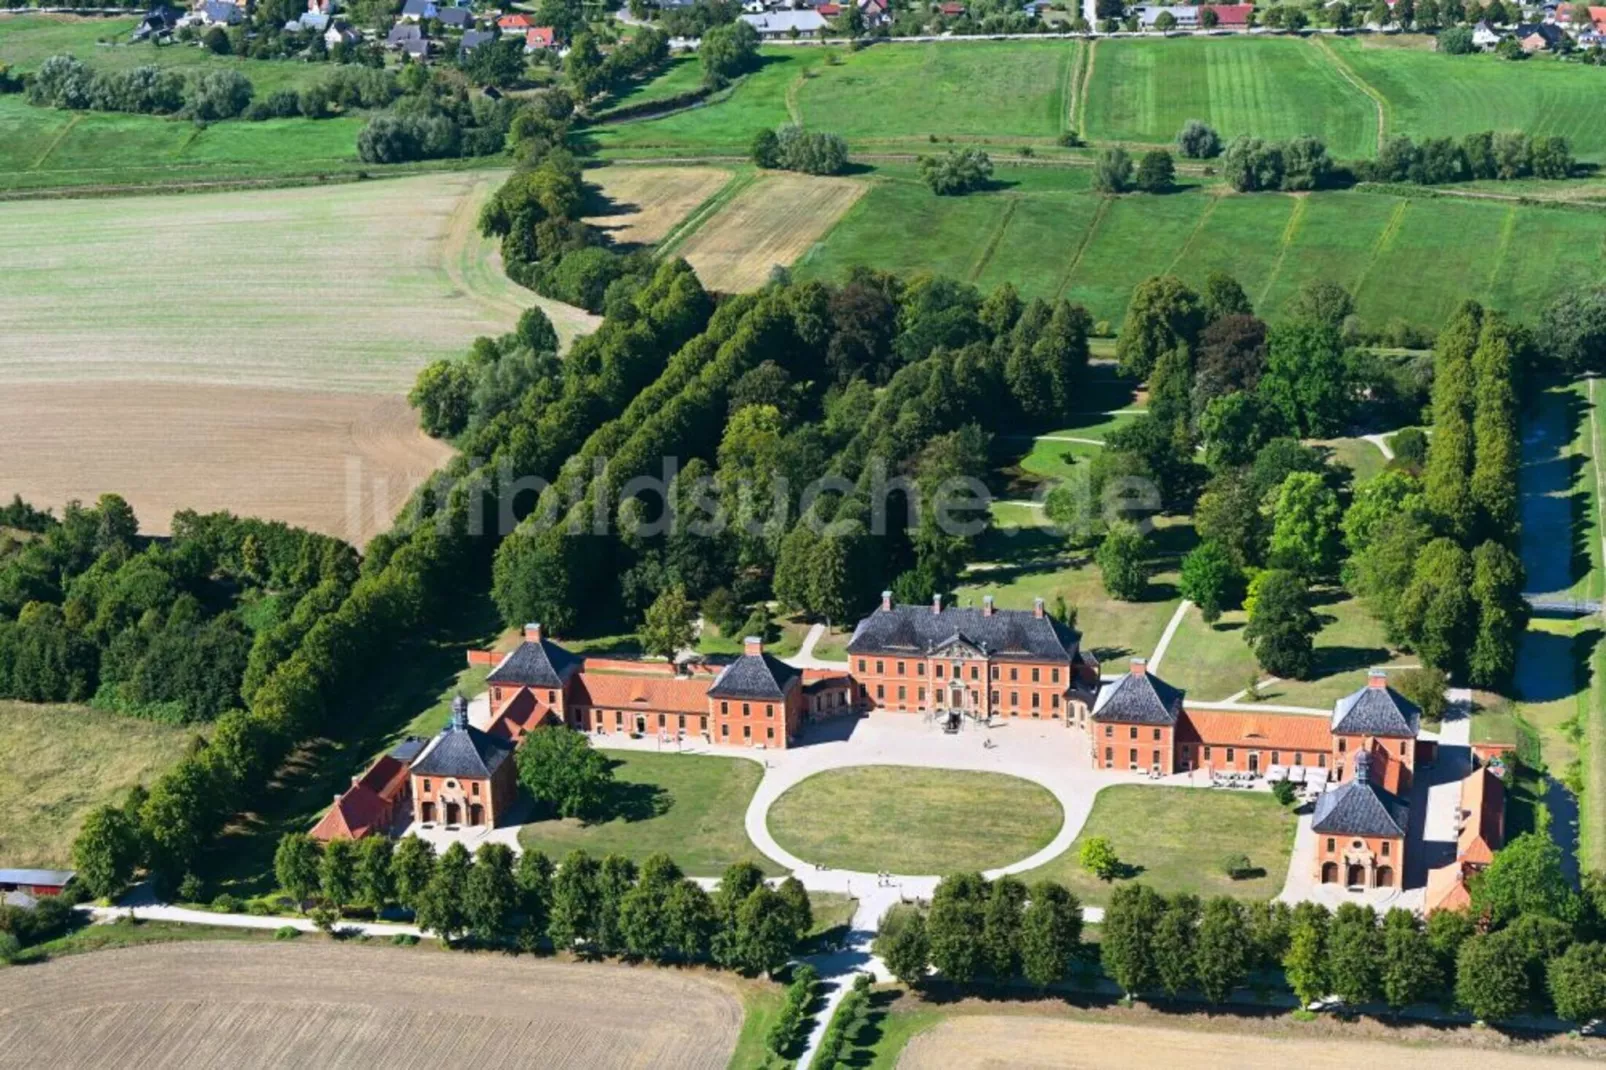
x,y
1026,1043
246,350
330,1006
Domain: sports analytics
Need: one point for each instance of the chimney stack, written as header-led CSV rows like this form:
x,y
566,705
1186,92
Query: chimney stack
x,y
1377,678
532,633
936,604
1037,607
886,601
753,645
986,605
1140,666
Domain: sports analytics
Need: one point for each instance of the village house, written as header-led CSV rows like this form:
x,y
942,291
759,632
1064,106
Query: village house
x,y
949,662
25,887
540,38
774,24
1539,36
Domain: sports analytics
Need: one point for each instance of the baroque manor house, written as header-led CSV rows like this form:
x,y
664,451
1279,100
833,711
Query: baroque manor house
x,y
944,663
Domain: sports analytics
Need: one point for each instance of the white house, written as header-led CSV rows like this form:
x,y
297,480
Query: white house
x,y
1187,15
772,24
1483,36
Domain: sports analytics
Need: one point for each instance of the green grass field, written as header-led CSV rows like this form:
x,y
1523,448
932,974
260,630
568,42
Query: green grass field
x,y
917,821
1427,94
1174,840
1046,233
688,805
60,762
975,90
28,40
1143,91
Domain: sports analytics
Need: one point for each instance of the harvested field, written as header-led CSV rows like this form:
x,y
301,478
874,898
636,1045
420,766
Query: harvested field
x,y
1015,1041
649,201
248,351
334,462
350,287
774,221
327,1005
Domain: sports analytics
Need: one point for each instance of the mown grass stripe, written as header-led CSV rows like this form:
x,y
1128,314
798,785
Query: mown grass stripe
x,y
1182,251
1087,239
1290,232
704,212
993,242
57,140
1383,242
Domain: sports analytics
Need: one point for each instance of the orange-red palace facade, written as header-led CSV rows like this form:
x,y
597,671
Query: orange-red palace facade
x,y
941,662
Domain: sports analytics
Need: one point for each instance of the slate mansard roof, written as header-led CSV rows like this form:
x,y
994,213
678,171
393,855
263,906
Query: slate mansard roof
x,y
1376,710
1360,808
760,676
461,750
1005,633
1138,698
536,663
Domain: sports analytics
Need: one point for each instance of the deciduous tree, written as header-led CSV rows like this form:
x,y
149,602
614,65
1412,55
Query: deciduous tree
x,y
559,768
1221,960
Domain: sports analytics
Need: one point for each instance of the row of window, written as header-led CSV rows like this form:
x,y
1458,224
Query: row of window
x,y
473,786
747,709
1109,730
937,670
1332,845
1276,756
1131,758
1014,697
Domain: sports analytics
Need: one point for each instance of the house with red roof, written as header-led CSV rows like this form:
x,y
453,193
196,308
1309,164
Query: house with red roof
x,y
540,38
374,800
1232,16
508,23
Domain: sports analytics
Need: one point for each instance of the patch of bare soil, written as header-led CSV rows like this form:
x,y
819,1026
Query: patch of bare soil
x,y
332,1006
1023,1041
339,463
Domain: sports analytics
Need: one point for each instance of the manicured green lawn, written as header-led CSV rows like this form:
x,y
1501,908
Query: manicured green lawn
x,y
1430,94
1210,662
1275,88
1361,457
1056,238
914,821
690,806
57,763
1175,839
681,75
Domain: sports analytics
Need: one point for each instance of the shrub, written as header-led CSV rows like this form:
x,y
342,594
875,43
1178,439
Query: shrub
x,y
796,149
404,940
10,947
1283,791
225,903
1237,866
1098,857
956,172
258,908
1198,141
1456,40
1156,172
286,932
1112,171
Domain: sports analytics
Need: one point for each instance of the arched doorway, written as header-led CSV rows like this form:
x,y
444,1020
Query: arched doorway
x,y
453,813
1356,878
427,811
476,814
1329,872
641,725
1385,876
